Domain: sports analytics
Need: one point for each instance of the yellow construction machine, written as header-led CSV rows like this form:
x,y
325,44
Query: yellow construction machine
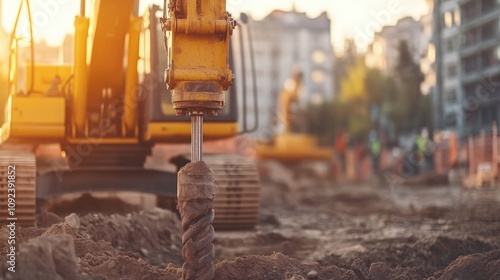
x,y
116,102
287,145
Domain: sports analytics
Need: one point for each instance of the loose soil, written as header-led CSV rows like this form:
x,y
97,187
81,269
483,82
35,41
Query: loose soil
x,y
311,229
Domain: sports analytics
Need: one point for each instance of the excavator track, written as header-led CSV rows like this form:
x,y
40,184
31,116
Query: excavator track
x,y
18,169
237,196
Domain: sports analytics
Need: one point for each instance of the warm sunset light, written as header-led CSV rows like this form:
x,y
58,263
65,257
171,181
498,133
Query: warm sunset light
x,y
350,19
250,140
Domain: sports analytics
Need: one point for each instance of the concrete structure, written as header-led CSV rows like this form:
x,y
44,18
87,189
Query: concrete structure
x,y
428,59
285,40
468,64
447,37
480,61
383,53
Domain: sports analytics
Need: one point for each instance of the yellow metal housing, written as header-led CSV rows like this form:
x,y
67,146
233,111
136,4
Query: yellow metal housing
x,y
180,132
97,140
198,50
130,110
79,108
293,147
45,75
34,118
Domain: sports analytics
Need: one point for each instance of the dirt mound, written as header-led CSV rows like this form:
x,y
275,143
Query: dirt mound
x,y
45,257
379,271
134,246
138,245
127,268
54,257
430,254
320,231
476,266
277,266
236,245
154,235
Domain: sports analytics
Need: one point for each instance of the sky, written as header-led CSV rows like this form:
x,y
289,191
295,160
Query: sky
x,y
357,19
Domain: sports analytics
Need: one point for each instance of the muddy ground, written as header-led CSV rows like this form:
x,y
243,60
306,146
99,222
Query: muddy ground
x,y
308,229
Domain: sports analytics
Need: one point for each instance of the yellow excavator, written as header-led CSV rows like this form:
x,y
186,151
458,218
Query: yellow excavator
x,y
114,104
289,146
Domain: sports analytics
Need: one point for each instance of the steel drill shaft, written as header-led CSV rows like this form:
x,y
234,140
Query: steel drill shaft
x,y
196,138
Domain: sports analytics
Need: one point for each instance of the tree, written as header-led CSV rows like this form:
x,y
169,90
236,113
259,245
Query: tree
x,y
352,87
353,95
342,63
409,77
375,84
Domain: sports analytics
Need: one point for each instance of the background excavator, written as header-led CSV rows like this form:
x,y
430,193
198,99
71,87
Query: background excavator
x,y
297,150
112,106
289,145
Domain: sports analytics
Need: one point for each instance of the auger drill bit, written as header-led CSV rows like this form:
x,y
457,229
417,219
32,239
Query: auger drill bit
x,y
196,192
197,36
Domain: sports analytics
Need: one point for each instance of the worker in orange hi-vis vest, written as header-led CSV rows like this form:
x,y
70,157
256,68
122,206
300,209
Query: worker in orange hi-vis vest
x,y
341,150
453,150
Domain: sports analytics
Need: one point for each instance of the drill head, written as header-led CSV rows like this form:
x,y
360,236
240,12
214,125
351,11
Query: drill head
x,y
196,192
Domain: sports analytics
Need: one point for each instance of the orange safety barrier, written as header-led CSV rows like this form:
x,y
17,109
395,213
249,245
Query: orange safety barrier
x,y
483,157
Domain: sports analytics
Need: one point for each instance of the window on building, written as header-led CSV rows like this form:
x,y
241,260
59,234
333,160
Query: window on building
x,y
318,57
431,52
485,89
317,98
456,17
497,54
488,58
452,70
487,5
450,120
470,92
472,37
489,29
451,95
470,64
450,46
469,10
488,115
448,19
454,42
378,47
318,76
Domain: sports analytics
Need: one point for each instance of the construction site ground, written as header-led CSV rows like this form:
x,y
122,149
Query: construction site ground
x,y
308,229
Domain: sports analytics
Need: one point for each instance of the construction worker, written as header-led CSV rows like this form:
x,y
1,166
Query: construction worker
x,y
341,149
425,155
375,150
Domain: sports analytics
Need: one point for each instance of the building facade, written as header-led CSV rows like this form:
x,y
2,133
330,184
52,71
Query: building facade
x,y
428,49
480,61
468,64
283,42
383,53
448,41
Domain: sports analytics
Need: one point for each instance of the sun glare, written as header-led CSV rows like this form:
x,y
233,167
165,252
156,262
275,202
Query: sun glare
x,y
357,19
